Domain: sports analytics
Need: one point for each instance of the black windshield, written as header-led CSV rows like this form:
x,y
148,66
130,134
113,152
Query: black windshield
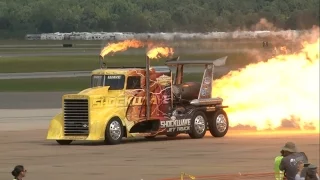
x,y
116,82
96,80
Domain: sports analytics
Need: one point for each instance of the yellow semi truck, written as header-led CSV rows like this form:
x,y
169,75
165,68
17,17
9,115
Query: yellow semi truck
x,y
148,101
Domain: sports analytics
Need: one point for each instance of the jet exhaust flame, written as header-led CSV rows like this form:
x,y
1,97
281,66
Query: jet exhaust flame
x,y
264,94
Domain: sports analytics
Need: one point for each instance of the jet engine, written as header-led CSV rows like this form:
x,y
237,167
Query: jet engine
x,y
186,91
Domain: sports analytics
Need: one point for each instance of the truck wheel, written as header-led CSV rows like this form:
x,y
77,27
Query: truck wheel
x,y
64,142
219,124
114,132
198,125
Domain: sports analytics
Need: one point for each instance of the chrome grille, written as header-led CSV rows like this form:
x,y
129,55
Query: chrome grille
x,y
76,117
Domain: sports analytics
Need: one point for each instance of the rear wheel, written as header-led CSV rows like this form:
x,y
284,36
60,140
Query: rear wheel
x,y
198,125
114,132
64,142
219,124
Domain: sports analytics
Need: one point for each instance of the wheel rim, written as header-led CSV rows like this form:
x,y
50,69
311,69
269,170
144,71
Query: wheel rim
x,y
221,123
115,130
199,124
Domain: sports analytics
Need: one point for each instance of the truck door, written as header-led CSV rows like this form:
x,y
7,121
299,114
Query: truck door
x,y
160,89
135,96
160,95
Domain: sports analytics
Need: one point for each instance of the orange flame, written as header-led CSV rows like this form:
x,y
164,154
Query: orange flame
x,y
120,46
158,52
285,87
284,49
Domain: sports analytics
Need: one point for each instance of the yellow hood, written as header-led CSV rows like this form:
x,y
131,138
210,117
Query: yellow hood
x,y
95,90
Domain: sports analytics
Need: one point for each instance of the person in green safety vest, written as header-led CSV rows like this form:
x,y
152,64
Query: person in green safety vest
x,y
291,162
278,173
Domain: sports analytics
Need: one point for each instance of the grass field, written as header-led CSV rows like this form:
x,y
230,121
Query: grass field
x,y
90,62
210,44
81,42
58,84
29,50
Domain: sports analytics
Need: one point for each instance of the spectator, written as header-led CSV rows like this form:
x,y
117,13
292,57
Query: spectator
x,y
312,172
291,160
19,172
277,161
301,171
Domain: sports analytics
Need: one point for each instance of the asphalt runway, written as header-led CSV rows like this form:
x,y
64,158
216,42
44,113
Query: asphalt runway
x,y
24,119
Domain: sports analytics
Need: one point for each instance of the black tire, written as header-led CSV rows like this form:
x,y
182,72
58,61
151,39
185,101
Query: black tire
x,y
114,126
64,142
219,124
196,133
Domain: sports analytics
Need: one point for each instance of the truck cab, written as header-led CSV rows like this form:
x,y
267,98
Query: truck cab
x,y
140,101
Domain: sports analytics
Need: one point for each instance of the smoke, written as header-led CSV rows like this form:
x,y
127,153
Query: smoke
x,y
279,41
264,25
262,29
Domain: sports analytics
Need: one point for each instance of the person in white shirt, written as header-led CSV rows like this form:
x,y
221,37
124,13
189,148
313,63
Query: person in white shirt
x,y
300,169
19,172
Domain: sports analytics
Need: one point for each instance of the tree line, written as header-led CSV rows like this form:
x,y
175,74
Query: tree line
x,y
18,17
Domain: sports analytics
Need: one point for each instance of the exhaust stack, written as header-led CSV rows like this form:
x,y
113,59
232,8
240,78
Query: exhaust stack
x,y
207,101
147,87
101,63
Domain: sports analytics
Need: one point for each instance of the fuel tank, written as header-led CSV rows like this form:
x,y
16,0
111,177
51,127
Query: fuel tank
x,y
187,90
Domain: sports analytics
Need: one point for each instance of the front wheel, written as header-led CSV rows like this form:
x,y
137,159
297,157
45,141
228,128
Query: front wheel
x,y
64,142
114,132
219,124
198,125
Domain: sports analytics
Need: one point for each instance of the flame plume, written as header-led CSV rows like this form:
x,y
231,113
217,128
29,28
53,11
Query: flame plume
x,y
120,46
159,52
285,87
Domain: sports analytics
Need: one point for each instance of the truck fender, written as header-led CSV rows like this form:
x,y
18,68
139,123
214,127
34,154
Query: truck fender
x,y
56,127
122,121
